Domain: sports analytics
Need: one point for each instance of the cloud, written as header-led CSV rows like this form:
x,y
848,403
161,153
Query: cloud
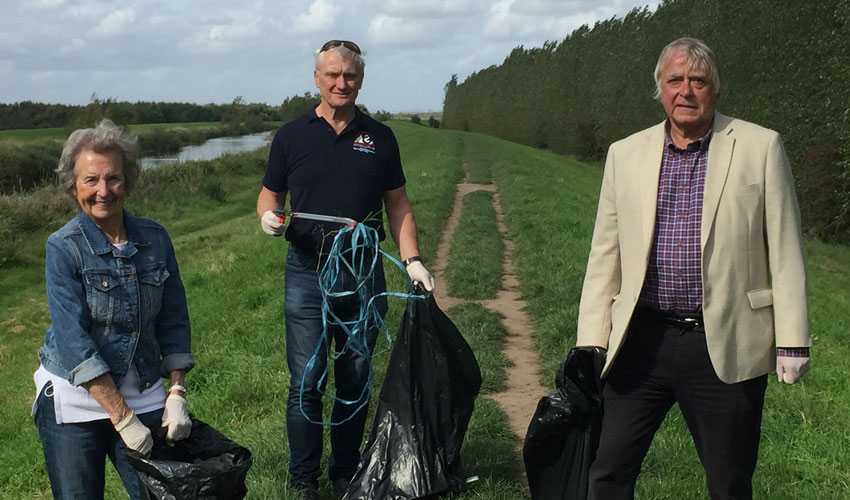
x,y
542,19
221,37
422,8
155,74
74,45
320,16
388,29
115,23
44,4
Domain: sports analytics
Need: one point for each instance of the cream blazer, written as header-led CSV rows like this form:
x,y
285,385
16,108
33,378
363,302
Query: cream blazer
x,y
753,262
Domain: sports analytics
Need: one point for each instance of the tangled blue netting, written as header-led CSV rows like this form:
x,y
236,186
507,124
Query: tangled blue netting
x,y
355,250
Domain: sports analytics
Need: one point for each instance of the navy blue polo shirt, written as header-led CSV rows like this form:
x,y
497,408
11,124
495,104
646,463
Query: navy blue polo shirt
x,y
344,175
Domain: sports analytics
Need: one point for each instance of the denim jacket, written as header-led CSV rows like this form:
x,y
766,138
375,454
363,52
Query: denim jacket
x,y
111,307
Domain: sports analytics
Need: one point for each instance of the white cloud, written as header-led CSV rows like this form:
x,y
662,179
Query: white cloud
x,y
320,16
115,23
44,4
74,45
422,8
223,37
387,29
543,19
155,74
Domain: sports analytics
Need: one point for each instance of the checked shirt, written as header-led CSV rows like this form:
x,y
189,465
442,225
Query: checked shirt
x,y
673,281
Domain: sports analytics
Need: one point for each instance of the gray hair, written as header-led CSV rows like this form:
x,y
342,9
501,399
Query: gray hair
x,y
106,137
699,55
345,53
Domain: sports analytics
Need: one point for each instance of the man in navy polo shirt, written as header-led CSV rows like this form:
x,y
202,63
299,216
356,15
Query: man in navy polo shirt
x,y
333,160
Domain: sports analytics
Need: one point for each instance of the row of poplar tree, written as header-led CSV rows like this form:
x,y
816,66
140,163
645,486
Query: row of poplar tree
x,y
783,65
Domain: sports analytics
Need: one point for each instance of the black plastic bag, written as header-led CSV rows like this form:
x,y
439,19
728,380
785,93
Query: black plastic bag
x,y
413,448
564,433
204,466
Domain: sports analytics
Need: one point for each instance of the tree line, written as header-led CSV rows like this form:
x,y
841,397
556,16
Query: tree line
x,y
29,114
783,65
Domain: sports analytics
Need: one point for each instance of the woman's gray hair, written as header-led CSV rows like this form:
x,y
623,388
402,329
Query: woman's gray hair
x,y
345,53
699,55
105,137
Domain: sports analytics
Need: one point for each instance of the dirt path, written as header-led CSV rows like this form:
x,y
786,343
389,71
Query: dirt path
x,y
519,400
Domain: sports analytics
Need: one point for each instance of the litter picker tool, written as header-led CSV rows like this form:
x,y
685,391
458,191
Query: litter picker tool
x,y
283,214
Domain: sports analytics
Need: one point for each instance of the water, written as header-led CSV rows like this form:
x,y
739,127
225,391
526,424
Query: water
x,y
209,150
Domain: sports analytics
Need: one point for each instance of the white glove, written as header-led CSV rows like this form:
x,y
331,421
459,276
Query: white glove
x,y
272,224
135,434
789,369
418,274
176,418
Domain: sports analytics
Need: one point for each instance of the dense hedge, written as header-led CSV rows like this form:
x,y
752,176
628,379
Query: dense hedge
x,y
783,65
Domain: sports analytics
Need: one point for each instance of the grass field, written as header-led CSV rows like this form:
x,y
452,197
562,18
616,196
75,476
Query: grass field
x,y
233,275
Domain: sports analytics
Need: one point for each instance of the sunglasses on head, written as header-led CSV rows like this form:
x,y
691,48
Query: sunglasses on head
x,y
345,43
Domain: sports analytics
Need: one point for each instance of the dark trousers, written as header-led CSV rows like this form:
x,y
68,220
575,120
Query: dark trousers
x,y
307,358
75,453
659,365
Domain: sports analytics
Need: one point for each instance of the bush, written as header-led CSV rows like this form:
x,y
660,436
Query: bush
x,y
382,115
415,119
823,188
42,210
23,165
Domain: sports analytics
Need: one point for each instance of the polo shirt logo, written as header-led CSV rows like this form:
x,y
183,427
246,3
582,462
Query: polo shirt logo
x,y
364,143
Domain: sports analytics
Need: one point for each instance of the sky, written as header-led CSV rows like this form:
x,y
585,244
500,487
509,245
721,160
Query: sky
x,y
201,51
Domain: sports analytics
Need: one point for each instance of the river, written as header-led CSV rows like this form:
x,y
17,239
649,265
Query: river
x,y
211,149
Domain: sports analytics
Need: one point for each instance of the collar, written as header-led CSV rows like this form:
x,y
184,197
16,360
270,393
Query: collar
x,y
700,144
357,121
98,244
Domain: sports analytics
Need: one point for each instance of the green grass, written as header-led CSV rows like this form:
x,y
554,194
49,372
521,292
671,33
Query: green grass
x,y
31,134
474,270
233,275
478,157
549,204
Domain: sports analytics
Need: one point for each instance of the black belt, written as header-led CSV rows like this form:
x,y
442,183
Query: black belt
x,y
686,321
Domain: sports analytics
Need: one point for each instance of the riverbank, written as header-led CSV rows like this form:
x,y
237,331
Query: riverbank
x,y
26,218
28,157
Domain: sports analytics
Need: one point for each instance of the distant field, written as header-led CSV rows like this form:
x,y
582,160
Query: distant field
x,y
30,134
63,132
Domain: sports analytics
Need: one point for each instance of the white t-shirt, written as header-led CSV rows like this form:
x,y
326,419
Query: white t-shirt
x,y
74,404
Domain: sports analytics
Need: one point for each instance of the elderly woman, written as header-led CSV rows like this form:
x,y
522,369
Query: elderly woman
x,y
119,323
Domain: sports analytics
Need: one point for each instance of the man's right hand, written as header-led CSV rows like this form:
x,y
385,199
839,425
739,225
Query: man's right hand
x,y
135,434
272,224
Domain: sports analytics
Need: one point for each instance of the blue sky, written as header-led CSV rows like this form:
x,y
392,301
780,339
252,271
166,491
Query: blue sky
x,y
62,51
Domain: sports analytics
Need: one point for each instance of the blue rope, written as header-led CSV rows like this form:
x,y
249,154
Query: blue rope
x,y
359,259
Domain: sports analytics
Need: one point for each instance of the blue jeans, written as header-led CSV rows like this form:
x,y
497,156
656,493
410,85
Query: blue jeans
x,y
303,312
75,454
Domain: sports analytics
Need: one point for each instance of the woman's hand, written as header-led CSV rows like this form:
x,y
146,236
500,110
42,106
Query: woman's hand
x,y
135,434
175,418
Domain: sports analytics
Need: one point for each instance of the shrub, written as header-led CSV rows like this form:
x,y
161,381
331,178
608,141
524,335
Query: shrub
x,y
823,188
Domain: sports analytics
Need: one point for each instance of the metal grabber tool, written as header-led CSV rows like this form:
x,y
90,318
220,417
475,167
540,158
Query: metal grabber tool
x,y
283,214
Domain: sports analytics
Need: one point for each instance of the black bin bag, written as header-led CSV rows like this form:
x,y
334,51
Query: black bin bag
x,y
564,432
204,466
413,448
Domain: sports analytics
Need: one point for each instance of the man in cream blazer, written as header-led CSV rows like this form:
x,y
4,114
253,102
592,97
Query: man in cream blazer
x,y
696,282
